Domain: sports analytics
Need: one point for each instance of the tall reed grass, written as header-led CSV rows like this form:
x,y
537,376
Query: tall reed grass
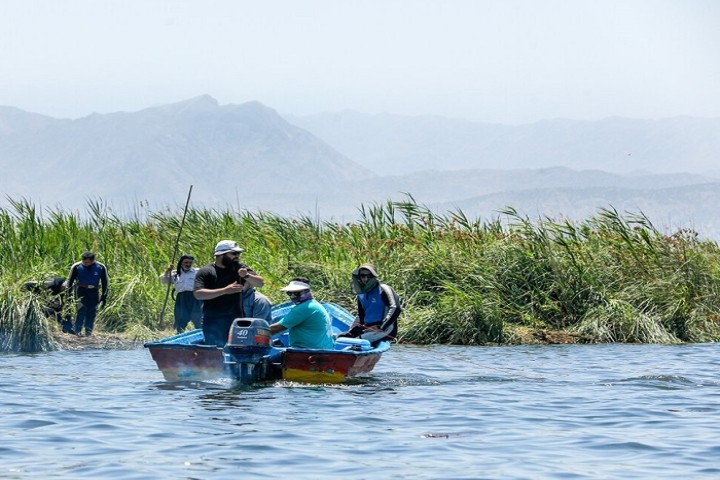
x,y
609,278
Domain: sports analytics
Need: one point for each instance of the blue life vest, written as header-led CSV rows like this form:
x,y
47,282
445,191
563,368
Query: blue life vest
x,y
373,305
89,275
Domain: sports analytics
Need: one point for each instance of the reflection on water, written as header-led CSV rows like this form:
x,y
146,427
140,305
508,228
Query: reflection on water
x,y
606,411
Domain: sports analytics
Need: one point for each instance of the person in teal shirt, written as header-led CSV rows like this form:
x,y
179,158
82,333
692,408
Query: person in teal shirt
x,y
307,323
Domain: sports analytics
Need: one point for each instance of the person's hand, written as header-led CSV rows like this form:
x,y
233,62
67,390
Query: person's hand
x,y
235,287
103,299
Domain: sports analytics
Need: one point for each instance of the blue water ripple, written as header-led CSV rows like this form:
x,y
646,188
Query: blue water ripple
x,y
566,411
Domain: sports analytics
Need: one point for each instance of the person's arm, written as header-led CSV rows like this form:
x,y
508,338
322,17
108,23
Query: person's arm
x,y
277,328
252,278
105,284
392,308
72,276
210,293
361,313
203,278
292,319
168,278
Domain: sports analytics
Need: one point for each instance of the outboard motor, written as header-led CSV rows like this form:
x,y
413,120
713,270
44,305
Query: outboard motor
x,y
248,346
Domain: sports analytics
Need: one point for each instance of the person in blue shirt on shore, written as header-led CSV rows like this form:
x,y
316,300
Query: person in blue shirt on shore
x,y
90,279
308,323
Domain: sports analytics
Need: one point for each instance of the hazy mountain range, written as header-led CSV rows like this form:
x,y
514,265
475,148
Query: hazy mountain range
x,y
395,144
230,152
250,157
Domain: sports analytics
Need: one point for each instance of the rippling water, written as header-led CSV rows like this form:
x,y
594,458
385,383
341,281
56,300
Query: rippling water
x,y
609,411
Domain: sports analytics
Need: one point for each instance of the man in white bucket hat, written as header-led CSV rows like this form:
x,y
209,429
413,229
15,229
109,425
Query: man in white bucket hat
x,y
308,323
226,288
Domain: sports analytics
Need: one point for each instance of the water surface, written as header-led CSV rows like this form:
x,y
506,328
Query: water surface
x,y
607,411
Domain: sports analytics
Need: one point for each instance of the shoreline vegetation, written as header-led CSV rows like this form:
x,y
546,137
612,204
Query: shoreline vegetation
x,y
511,280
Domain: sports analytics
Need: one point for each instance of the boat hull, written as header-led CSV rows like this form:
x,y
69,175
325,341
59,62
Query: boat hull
x,y
323,366
184,357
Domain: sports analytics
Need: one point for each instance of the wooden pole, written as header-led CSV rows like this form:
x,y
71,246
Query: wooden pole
x,y
161,322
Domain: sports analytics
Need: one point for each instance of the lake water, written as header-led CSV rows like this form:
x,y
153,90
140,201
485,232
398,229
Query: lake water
x,y
526,412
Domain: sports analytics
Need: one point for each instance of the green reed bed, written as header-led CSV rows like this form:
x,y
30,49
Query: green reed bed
x,y
609,278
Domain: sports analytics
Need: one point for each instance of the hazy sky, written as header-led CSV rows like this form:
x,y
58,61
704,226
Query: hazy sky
x,y
506,61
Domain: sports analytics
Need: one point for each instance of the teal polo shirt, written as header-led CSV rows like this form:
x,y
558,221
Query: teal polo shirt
x,y
309,326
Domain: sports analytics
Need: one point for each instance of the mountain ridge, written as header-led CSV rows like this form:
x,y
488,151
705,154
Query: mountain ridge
x,y
248,156
172,145
613,144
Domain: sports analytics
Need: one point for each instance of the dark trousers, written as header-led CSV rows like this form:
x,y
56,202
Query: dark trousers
x,y
216,329
65,322
89,299
187,309
361,331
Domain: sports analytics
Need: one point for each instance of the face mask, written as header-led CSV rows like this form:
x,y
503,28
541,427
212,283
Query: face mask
x,y
300,297
370,283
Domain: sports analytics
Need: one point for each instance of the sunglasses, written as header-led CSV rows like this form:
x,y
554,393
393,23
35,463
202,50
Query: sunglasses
x,y
365,275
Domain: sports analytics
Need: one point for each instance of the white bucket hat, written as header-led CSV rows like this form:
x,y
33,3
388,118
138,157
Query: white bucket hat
x,y
295,286
227,246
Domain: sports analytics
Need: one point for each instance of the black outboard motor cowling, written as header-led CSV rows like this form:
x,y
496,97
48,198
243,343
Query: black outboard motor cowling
x,y
248,347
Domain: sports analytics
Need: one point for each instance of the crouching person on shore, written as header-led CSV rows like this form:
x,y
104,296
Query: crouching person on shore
x,y
53,308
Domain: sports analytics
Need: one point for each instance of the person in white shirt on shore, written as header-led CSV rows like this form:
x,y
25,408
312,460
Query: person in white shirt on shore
x,y
187,307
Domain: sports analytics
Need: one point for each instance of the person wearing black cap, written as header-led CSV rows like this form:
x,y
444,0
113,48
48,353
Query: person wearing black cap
x,y
378,307
90,279
187,307
226,288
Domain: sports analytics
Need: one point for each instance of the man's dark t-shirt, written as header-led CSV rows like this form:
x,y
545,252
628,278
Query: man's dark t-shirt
x,y
213,277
